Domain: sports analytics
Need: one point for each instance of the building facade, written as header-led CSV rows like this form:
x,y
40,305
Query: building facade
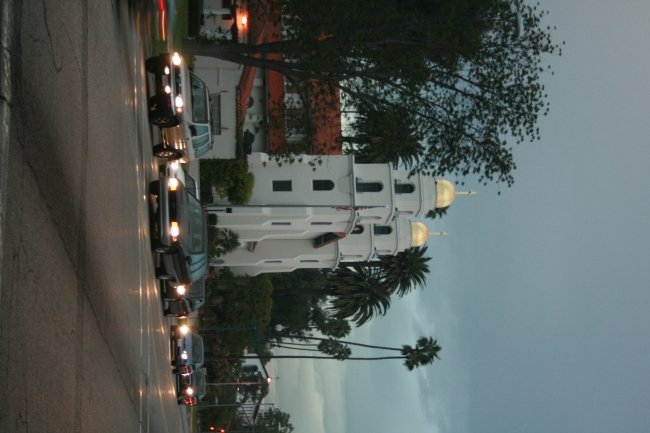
x,y
311,215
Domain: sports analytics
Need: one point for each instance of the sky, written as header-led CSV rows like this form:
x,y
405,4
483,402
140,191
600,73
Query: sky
x,y
539,296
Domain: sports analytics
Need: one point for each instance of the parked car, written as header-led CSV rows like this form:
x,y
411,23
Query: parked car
x,y
180,301
181,106
190,388
180,230
174,169
187,349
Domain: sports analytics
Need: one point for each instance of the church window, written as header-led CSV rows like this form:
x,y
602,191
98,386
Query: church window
x,y
404,188
327,238
369,186
357,230
323,185
282,185
383,230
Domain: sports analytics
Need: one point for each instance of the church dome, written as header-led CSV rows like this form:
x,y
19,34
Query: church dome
x,y
419,233
446,193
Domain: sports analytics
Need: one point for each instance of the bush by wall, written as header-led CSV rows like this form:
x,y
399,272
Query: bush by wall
x,y
229,177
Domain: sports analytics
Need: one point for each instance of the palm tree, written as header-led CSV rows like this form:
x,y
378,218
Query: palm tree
x,y
360,294
401,272
425,352
405,270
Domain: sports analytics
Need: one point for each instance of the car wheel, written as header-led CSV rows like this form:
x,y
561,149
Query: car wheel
x,y
160,248
161,274
168,153
163,121
168,313
154,187
152,64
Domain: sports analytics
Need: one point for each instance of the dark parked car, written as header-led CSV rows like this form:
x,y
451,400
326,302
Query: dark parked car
x,y
187,350
190,388
180,301
180,105
180,233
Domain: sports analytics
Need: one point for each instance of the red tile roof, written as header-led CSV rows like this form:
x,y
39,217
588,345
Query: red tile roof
x,y
325,113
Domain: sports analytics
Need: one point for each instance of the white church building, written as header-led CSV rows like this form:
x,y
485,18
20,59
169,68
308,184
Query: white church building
x,y
317,215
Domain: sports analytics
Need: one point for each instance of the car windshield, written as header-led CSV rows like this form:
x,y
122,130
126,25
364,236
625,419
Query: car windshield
x,y
199,100
197,350
197,289
196,225
190,185
199,382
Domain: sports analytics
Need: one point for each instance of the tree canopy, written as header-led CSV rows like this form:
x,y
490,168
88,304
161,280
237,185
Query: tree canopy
x,y
465,72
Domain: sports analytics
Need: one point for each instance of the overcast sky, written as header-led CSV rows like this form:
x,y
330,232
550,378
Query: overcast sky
x,y
538,296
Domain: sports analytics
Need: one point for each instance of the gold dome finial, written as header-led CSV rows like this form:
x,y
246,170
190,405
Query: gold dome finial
x,y
420,233
446,193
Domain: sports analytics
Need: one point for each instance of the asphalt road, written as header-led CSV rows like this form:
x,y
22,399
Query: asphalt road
x,y
85,347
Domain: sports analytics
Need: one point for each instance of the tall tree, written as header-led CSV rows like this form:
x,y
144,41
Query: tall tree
x,y
424,352
360,294
401,272
387,136
276,422
463,70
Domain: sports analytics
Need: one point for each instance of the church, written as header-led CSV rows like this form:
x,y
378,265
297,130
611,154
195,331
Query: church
x,y
323,210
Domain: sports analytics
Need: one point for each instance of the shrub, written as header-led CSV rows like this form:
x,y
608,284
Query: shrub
x,y
229,177
223,241
241,190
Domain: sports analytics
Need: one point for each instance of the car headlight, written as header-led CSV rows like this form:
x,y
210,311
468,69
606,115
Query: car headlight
x,y
178,101
174,231
180,290
184,329
184,355
173,184
176,59
189,390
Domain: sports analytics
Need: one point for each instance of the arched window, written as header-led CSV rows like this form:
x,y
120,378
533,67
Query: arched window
x,y
369,186
383,230
358,229
323,185
404,188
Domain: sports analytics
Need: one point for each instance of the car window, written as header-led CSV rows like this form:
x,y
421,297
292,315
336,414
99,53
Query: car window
x,y
199,100
190,184
197,350
200,130
200,141
199,382
195,212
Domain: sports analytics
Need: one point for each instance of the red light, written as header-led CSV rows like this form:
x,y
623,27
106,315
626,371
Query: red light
x,y
211,428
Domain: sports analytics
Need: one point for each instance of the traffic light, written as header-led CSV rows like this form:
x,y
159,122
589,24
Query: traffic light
x,y
222,430
211,428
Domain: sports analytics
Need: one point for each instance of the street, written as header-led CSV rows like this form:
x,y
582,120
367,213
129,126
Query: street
x,y
85,344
